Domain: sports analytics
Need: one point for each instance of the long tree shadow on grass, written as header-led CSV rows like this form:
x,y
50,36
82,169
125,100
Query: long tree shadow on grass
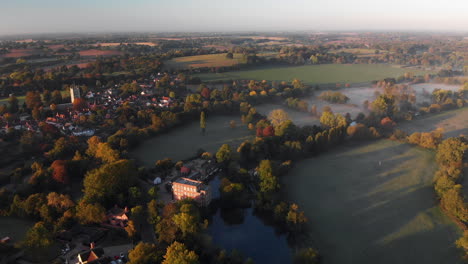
x,y
364,199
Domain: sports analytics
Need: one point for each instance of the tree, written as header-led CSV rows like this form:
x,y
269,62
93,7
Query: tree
x,y
177,253
306,256
33,99
384,105
79,104
131,229
59,171
224,153
330,120
153,212
13,105
187,220
202,122
38,237
268,181
89,213
229,55
93,143
104,184
61,202
144,253
56,97
106,153
278,116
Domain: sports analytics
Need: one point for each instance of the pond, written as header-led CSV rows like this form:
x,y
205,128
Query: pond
x,y
240,229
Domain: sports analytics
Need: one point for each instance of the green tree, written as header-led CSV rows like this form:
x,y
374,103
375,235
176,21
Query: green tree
x,y
203,122
153,212
224,153
187,220
306,256
268,181
384,105
144,253
13,105
88,213
177,253
106,183
38,237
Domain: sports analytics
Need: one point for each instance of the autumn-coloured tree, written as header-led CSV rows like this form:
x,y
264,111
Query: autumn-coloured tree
x,y
278,116
205,92
33,99
177,253
79,104
59,171
387,123
268,131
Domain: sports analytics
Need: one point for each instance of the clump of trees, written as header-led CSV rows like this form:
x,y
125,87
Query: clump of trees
x,y
297,104
451,158
334,97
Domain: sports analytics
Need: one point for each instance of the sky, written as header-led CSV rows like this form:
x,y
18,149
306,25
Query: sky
x,y
65,16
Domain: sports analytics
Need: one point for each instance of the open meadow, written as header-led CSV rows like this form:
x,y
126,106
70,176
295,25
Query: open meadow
x,y
374,203
14,227
454,123
184,141
315,74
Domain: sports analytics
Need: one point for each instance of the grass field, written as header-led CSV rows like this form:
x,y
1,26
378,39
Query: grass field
x,y
183,142
21,98
454,123
15,228
314,74
210,60
363,212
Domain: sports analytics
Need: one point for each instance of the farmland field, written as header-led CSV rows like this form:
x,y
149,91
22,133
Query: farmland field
x,y
183,142
210,60
315,74
374,203
95,52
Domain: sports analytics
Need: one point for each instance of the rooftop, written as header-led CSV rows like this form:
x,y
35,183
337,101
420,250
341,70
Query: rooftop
x,y
188,181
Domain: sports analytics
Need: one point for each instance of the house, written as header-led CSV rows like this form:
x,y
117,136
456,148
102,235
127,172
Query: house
x,y
91,256
117,216
183,188
184,171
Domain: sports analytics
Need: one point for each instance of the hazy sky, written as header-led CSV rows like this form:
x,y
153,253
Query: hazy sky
x,y
39,16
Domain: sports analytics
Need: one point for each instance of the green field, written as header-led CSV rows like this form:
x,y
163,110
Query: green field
x,y
210,60
21,98
315,74
454,123
363,212
183,142
15,228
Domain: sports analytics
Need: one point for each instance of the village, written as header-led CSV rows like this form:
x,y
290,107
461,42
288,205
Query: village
x,y
66,118
82,244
